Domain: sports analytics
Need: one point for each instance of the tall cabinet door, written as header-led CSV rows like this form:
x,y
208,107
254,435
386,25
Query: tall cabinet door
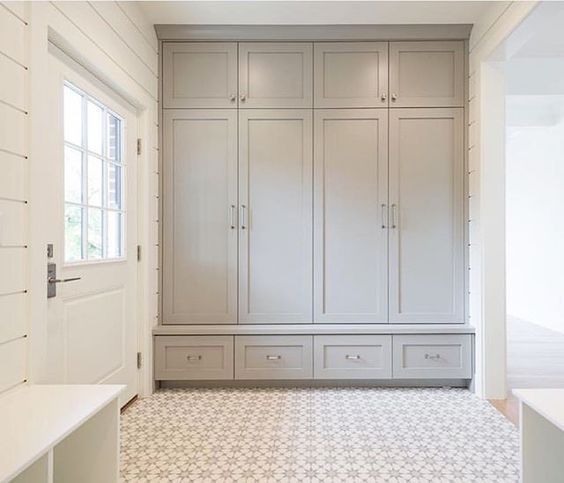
x,y
275,221
200,225
426,215
273,75
351,196
199,74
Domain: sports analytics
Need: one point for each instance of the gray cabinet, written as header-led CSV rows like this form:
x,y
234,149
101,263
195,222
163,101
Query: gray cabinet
x,y
275,236
443,356
199,216
273,357
273,75
426,233
427,74
352,356
351,197
351,74
193,357
200,74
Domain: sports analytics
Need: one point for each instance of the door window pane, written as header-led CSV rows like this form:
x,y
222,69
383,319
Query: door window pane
x,y
72,116
94,179
73,233
95,128
73,175
95,183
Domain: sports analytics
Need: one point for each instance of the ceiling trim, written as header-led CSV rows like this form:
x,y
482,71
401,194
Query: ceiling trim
x,y
314,32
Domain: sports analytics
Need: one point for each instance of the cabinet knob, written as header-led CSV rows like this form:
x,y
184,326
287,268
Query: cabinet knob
x,y
383,97
232,97
243,97
394,97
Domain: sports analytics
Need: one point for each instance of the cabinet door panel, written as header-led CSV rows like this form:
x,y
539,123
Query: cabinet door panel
x,y
275,75
200,74
200,187
427,74
426,196
351,241
351,74
275,262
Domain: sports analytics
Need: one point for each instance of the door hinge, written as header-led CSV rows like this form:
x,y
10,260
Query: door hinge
x,y
138,146
139,360
138,253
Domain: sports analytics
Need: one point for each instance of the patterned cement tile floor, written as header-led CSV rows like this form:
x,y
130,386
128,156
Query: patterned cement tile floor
x,y
317,434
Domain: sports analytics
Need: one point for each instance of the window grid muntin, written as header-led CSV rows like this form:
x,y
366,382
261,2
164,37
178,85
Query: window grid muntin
x,y
85,206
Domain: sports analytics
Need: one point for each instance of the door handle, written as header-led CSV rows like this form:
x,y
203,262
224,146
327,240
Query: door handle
x,y
52,280
232,221
394,208
384,216
243,217
63,280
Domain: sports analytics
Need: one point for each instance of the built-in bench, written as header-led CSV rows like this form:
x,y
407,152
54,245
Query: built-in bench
x,y
62,433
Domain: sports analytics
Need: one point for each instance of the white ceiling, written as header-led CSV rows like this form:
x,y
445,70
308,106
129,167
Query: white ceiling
x,y
313,12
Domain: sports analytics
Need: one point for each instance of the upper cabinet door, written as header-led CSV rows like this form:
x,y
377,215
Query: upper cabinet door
x,y
351,196
199,74
275,75
427,74
426,216
275,222
351,74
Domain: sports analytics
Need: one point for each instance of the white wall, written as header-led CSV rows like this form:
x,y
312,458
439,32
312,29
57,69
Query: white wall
x,y
534,220
115,43
14,209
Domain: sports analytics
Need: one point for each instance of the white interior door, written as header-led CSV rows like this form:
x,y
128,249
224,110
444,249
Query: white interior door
x,y
91,196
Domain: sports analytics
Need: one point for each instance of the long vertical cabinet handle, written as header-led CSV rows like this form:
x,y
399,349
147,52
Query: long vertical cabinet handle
x,y
384,216
232,215
243,217
394,209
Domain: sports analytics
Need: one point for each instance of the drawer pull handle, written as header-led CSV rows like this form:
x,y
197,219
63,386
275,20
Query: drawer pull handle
x,y
435,357
273,358
194,358
352,358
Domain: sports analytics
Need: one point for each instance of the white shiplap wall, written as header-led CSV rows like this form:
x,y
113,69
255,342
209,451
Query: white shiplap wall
x,y
119,46
14,209
486,192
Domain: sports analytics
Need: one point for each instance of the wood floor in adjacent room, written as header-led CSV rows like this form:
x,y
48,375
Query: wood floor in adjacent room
x,y
318,434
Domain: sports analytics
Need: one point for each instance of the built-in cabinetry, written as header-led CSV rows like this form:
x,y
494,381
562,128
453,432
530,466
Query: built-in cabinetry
x,y
311,183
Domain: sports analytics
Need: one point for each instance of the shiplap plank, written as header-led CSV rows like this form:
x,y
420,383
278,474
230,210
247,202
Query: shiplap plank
x,y
13,83
128,32
13,316
13,130
14,268
84,16
18,9
13,223
12,363
143,25
13,181
12,36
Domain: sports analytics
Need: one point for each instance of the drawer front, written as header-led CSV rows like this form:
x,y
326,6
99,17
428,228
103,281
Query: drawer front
x,y
193,357
353,356
273,357
432,356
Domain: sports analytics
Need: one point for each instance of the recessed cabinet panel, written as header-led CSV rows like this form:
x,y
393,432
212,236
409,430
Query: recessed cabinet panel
x,y
275,191
351,74
426,74
351,236
200,74
353,356
275,75
426,226
200,210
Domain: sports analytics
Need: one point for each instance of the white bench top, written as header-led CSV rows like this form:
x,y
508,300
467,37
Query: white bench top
x,y
34,418
549,403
